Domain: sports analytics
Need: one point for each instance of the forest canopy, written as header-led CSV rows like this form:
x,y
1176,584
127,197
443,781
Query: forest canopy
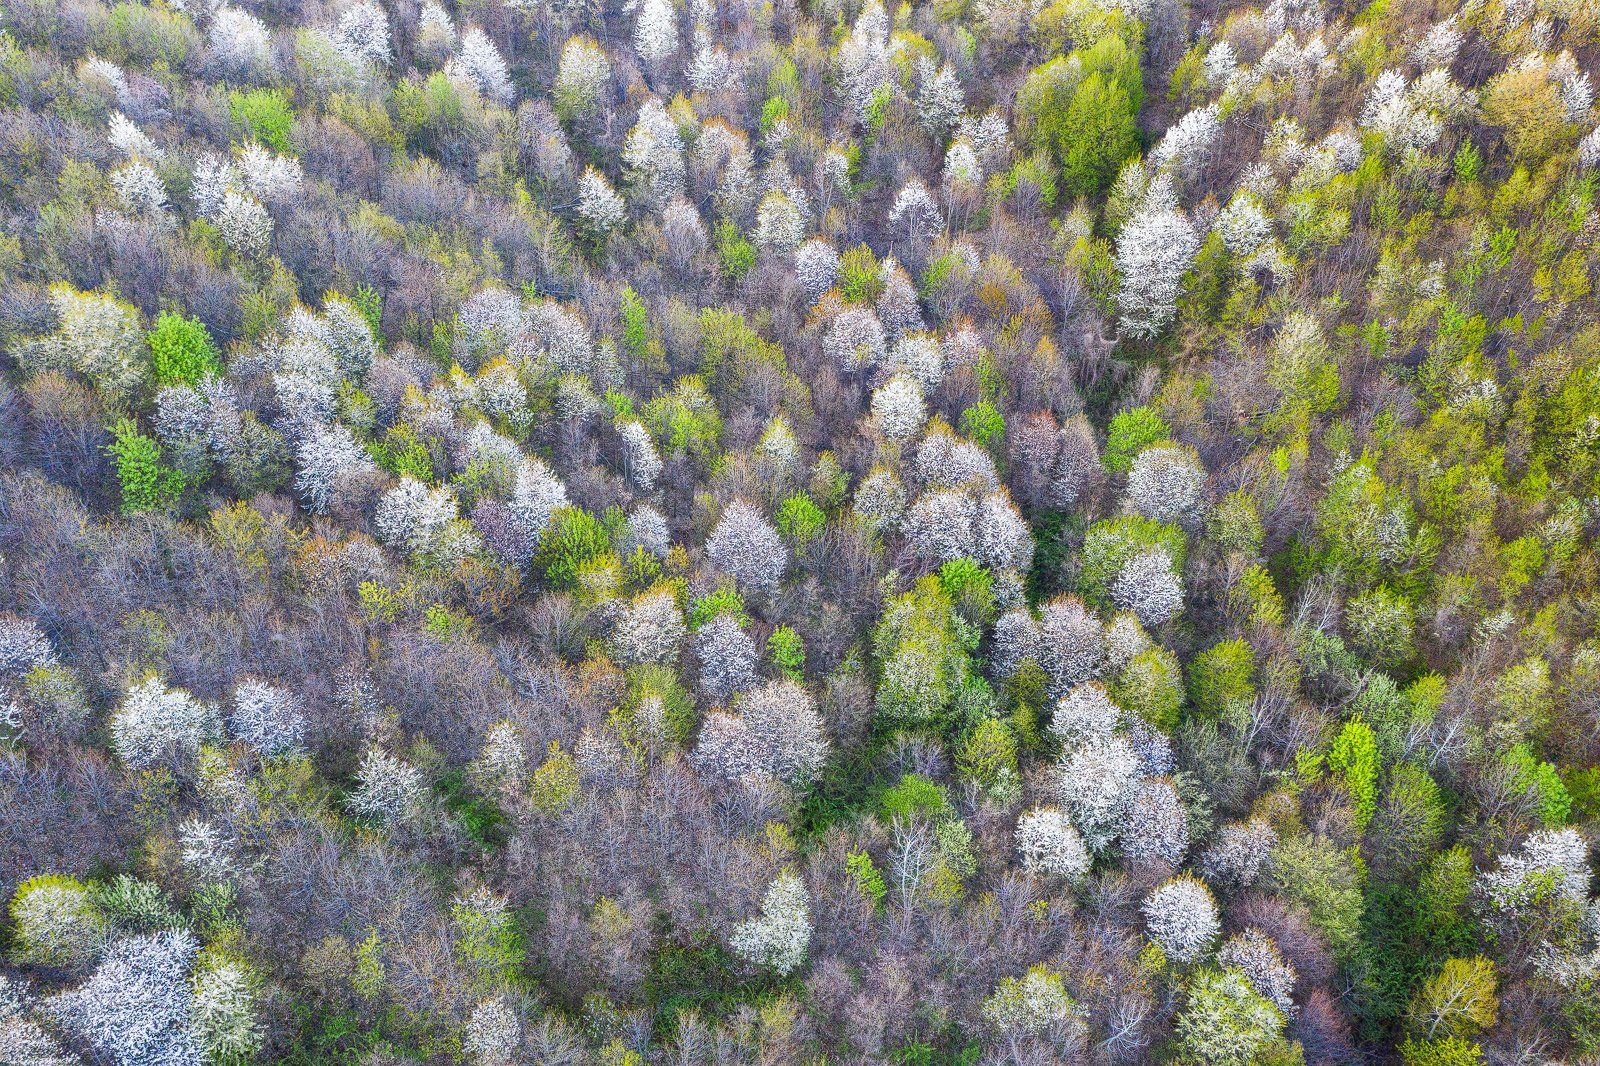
x,y
799,532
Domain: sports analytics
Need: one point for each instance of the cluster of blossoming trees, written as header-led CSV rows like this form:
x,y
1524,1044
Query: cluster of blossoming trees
x,y
799,532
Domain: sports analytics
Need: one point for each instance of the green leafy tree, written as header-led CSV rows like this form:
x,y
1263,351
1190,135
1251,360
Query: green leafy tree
x,y
800,520
724,599
1451,1051
985,424
924,653
867,877
1083,108
1151,686
735,254
1354,759
1460,1001
988,757
574,538
181,352
265,115
488,937
1131,432
1220,678
1326,881
1542,783
860,279
787,652
1225,1021
147,483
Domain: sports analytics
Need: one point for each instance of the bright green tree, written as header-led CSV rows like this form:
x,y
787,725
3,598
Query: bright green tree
x,y
181,351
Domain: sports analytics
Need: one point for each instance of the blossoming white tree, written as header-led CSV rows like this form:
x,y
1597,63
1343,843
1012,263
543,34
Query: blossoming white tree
x,y
746,546
779,936
1154,250
1048,843
1181,917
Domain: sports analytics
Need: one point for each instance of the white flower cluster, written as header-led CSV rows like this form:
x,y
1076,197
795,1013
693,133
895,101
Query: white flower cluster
x,y
412,517
779,936
140,189
897,308
1156,826
1573,86
1398,110
655,33
1148,586
159,726
244,224
898,409
23,1040
880,499
777,734
223,1012
240,42
1097,781
205,852
535,497
23,646
962,167
1048,843
1109,779
650,629
647,529
946,524
1244,226
436,33
711,70
98,337
863,58
940,101
502,762
1240,854
363,36
1589,150
1154,249
1086,713
855,339
1560,856
727,657
130,141
945,460
653,155
780,224
779,448
326,454
916,211
494,1033
269,719
135,1008
1072,644
639,456
557,333
1254,954
106,76
920,356
388,788
480,65
1181,917
1184,146
1439,46
746,547
581,77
